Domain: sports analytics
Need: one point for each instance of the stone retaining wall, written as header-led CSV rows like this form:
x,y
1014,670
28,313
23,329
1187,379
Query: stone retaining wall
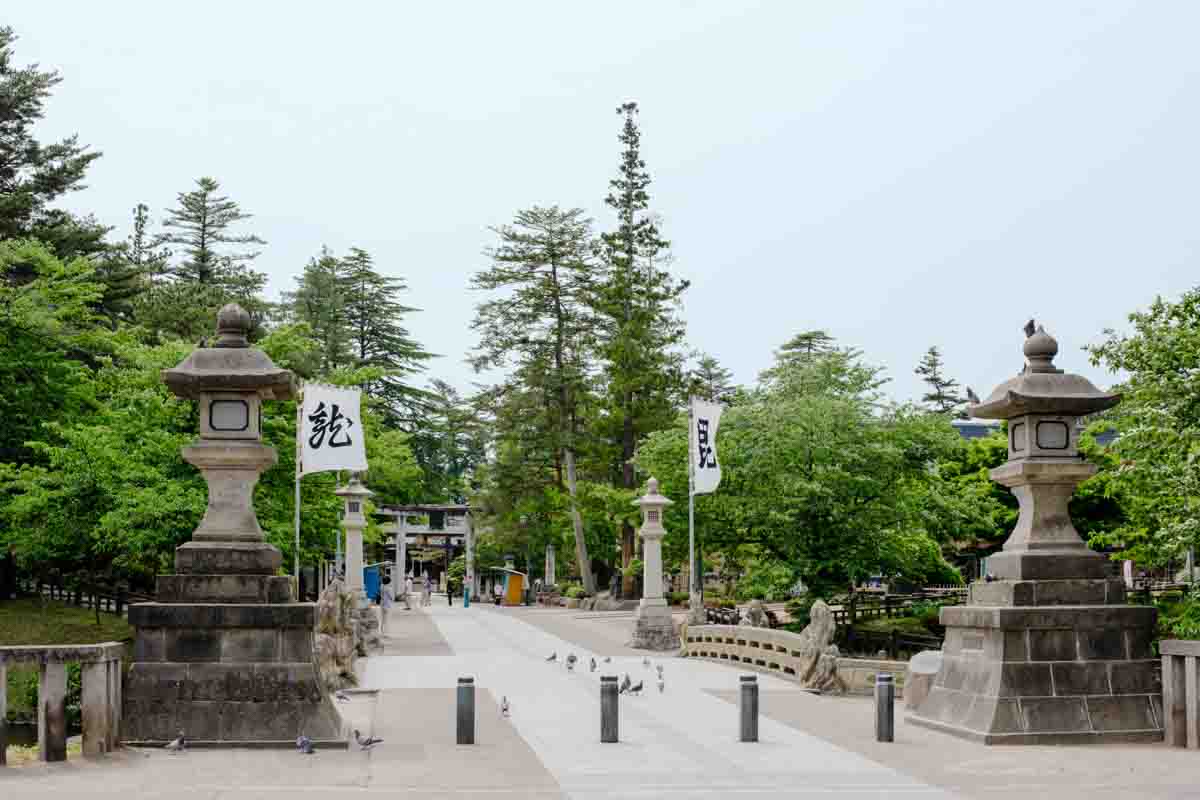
x,y
778,652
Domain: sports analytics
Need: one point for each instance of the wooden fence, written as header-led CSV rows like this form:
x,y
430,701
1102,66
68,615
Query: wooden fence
x,y
113,599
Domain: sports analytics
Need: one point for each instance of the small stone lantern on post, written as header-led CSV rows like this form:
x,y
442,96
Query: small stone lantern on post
x,y
653,626
354,519
1046,651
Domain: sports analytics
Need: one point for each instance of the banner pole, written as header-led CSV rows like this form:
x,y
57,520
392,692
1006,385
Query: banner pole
x,y
299,450
694,598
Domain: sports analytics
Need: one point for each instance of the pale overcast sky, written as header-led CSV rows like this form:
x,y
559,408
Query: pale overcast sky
x,y
901,174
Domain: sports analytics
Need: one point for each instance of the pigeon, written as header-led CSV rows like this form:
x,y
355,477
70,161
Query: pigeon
x,y
177,745
625,684
645,662
504,706
593,664
608,659
553,656
661,685
305,745
637,687
367,743
1030,328
658,667
972,398
571,659
341,696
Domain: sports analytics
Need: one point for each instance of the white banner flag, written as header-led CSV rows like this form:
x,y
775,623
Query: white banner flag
x,y
331,432
706,472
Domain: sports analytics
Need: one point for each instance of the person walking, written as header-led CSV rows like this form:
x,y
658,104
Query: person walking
x,y
385,604
449,593
427,592
408,590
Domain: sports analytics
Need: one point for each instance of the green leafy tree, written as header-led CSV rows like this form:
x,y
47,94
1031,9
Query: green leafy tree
x,y
319,301
636,304
943,395
828,482
200,228
543,326
1152,466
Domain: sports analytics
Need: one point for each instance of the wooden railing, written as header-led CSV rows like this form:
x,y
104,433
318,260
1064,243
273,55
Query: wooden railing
x,y
100,703
113,599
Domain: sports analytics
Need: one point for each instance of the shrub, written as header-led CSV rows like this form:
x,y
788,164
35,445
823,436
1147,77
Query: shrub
x,y
678,598
575,591
800,610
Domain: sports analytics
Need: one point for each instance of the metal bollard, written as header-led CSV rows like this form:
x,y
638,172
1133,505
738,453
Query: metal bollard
x,y
885,709
609,704
466,711
748,708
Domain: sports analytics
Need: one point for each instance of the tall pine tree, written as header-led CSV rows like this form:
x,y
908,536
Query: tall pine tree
x,y
200,228
710,380
544,328
32,174
637,306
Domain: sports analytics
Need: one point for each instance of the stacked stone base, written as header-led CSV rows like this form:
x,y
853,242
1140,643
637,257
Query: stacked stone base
x,y
654,627
226,673
1017,673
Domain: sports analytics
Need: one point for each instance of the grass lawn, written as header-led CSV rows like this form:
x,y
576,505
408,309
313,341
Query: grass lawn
x,y
898,624
24,621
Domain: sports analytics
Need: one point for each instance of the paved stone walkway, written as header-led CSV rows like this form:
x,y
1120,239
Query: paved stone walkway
x,y
678,744
682,743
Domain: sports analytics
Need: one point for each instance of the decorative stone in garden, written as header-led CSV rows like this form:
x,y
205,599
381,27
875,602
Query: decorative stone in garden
x,y
1046,650
653,625
225,655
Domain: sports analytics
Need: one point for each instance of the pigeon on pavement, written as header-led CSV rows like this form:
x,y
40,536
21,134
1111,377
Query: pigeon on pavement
x,y
661,685
593,664
504,706
553,656
645,662
571,659
608,659
637,687
625,684
341,696
177,745
659,668
367,743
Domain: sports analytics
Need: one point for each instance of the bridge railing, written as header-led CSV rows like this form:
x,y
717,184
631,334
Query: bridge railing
x,y
100,702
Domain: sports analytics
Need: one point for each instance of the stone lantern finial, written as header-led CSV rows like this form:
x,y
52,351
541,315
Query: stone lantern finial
x,y
233,325
1040,349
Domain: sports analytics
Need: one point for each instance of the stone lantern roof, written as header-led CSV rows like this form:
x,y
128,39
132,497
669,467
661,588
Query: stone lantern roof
x,y
230,365
354,489
652,499
1042,388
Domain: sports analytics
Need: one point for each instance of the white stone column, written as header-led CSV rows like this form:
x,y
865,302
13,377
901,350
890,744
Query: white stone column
x,y
94,707
354,520
652,588
551,566
52,712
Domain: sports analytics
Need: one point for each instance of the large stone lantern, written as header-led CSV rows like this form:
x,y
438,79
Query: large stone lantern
x,y
653,626
225,654
1046,650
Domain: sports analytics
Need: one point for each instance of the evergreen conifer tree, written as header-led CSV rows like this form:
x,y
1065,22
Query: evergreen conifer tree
x,y
943,394
637,306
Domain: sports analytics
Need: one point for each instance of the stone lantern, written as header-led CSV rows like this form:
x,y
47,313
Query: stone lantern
x,y
225,653
1046,651
653,626
354,496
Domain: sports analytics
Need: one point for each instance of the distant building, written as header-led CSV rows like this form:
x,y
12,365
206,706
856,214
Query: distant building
x,y
980,428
